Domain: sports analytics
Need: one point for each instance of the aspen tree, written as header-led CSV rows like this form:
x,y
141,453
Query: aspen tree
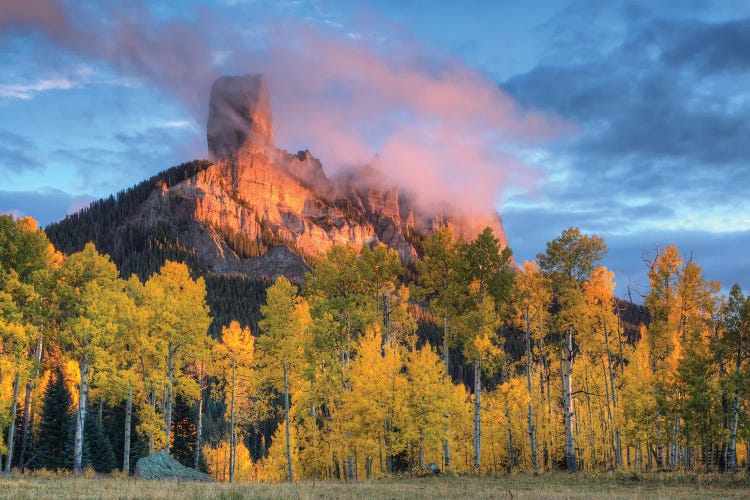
x,y
237,349
180,319
282,344
93,304
568,261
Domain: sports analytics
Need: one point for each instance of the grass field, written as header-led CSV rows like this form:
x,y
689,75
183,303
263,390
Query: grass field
x,y
671,486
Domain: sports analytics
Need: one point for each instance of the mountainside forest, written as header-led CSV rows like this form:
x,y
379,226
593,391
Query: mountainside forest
x,y
471,363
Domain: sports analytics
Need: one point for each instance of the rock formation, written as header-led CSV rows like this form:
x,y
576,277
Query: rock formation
x,y
161,466
256,199
239,116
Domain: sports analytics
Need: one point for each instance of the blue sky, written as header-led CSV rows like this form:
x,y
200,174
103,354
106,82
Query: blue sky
x,y
627,119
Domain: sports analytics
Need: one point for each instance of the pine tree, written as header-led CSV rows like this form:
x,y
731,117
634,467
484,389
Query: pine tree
x,y
55,443
183,431
98,452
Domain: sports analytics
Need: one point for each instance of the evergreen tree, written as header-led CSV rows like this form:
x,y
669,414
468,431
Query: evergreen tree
x,y
98,453
183,431
114,426
55,444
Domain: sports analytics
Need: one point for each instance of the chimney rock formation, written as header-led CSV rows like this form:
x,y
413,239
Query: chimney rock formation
x,y
239,116
262,212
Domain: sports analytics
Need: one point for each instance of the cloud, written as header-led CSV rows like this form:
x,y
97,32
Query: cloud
x,y
47,205
36,14
27,90
441,129
127,158
17,154
660,153
656,119
722,255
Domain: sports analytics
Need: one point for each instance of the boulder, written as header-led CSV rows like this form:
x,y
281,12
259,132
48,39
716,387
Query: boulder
x,y
161,466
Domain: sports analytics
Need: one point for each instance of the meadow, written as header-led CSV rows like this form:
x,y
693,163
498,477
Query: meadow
x,y
602,485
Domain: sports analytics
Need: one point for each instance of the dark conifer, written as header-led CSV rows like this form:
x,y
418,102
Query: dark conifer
x,y
55,445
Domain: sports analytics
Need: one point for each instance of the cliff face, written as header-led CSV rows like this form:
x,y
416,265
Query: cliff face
x,y
262,211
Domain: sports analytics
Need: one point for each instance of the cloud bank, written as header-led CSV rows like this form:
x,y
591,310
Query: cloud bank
x,y
441,130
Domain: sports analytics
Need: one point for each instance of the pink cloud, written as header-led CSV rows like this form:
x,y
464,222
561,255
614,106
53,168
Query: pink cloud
x,y
443,131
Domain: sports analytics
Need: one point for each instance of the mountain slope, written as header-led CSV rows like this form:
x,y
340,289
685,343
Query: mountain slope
x,y
256,211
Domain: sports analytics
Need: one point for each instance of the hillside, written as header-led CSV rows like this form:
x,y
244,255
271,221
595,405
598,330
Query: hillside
x,y
253,213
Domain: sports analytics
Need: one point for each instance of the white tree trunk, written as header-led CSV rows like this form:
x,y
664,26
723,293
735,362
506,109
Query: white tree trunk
x,y
530,416
12,426
83,389
286,417
446,437
567,386
232,435
199,429
126,444
618,441
170,395
477,417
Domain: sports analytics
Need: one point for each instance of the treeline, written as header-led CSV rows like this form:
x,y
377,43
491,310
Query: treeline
x,y
353,366
143,251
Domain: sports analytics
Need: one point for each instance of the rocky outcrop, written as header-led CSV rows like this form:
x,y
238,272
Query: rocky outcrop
x,y
161,466
263,212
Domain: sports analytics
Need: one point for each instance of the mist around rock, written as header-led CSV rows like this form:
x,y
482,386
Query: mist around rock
x,y
439,130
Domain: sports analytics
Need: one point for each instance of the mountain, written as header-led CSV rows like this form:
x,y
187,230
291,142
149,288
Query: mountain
x,y
258,211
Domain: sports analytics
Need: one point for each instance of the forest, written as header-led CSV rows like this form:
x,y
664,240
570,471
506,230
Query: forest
x,y
471,362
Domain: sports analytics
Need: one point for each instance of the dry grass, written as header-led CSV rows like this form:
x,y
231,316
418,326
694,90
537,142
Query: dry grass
x,y
610,485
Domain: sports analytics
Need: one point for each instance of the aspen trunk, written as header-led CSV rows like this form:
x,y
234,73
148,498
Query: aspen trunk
x,y
421,448
12,426
199,429
232,438
477,417
733,422
80,418
286,418
510,442
27,401
567,383
25,422
170,384
446,356
152,403
675,451
530,416
618,441
126,444
732,449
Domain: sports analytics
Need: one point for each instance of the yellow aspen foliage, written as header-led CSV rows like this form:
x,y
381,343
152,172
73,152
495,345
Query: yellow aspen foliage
x,y
276,464
461,429
282,347
639,401
217,463
428,402
180,319
237,352
374,408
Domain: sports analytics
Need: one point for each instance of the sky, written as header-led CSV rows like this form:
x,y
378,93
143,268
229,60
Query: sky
x,y
628,119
